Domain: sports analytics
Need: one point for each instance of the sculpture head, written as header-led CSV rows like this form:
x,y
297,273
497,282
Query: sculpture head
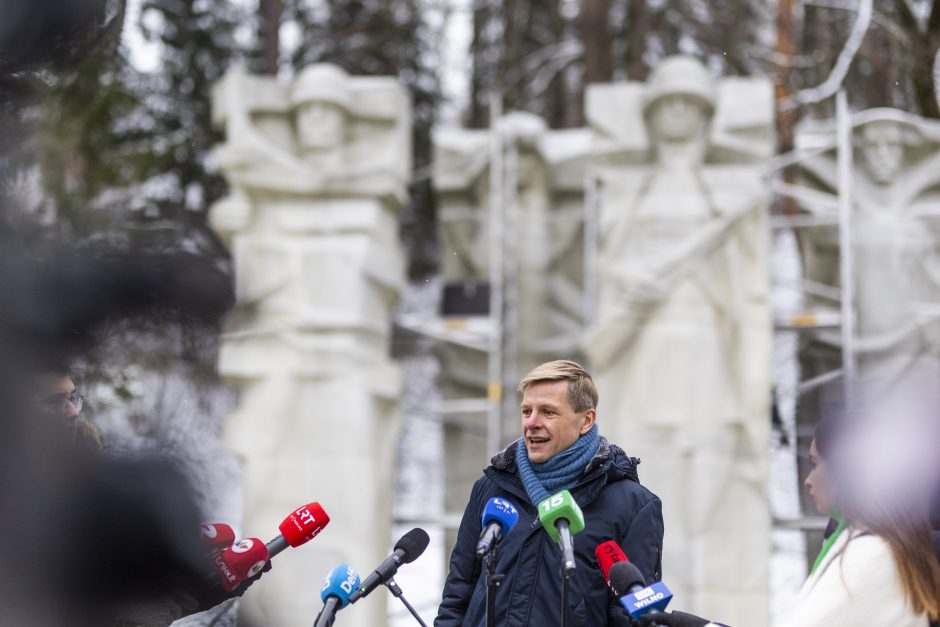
x,y
321,101
882,144
525,130
679,100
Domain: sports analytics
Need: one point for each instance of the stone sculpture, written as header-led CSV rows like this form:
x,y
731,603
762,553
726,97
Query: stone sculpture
x,y
895,193
317,169
681,345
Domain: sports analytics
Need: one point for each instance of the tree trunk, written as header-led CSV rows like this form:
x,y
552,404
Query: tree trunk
x,y
269,25
924,45
477,113
595,37
786,119
637,29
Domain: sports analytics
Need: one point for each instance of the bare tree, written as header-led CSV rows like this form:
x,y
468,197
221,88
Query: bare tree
x,y
270,13
596,39
924,38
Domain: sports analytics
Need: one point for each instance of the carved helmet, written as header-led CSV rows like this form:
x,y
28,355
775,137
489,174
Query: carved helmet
x,y
680,75
322,82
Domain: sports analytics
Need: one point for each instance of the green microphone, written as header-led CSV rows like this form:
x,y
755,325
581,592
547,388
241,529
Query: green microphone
x,y
562,518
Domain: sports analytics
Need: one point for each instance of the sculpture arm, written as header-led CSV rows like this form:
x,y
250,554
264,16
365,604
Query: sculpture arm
x,y
649,283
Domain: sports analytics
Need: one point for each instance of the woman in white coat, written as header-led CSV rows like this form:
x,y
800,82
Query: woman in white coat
x,y
878,567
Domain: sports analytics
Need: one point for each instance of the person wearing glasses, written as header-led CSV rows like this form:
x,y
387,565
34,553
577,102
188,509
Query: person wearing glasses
x,y
55,398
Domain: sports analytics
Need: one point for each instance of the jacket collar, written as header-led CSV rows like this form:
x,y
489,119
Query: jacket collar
x,y
609,460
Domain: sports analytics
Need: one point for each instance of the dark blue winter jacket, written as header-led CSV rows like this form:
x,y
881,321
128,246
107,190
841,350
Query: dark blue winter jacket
x,y
616,507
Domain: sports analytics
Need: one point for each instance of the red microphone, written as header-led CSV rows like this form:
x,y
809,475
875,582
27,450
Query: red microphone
x,y
243,560
217,536
301,526
608,553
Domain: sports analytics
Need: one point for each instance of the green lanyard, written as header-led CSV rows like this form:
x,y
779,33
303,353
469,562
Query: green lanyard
x,y
835,513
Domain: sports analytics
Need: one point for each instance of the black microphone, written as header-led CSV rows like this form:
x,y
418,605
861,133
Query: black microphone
x,y
625,578
407,549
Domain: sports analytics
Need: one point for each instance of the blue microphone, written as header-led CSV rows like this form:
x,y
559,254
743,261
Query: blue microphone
x,y
499,517
637,598
338,585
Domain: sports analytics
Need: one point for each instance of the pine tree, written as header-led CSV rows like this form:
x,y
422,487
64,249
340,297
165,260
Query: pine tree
x,y
199,40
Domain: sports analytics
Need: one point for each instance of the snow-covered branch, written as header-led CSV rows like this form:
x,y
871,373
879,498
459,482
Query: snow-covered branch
x,y
834,81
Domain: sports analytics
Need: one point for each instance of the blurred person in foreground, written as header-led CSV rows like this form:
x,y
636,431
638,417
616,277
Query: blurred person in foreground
x,y
57,400
560,448
878,563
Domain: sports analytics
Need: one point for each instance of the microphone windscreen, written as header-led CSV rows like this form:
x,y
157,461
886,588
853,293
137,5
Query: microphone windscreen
x,y
501,511
608,553
413,544
623,576
243,560
340,583
560,506
304,524
217,536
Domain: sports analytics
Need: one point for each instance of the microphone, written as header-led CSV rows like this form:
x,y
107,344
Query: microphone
x,y
499,517
407,549
609,553
627,582
217,536
338,585
562,518
243,560
301,526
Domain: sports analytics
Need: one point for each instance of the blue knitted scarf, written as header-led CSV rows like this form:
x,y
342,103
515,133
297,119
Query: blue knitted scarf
x,y
560,472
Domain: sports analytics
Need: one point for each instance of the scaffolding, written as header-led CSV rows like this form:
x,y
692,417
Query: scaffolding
x,y
822,211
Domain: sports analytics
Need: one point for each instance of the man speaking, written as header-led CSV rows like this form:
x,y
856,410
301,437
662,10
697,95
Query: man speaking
x,y
560,449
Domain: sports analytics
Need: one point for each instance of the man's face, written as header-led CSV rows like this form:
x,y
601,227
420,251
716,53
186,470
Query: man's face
x,y
549,423
54,397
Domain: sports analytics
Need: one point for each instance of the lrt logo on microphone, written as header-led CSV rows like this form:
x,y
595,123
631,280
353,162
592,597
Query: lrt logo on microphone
x,y
209,531
306,523
306,518
243,546
505,506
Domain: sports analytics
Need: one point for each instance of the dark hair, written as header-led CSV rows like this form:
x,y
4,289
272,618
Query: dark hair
x,y
827,435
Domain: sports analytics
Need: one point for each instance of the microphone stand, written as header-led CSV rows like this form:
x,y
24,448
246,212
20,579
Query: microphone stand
x,y
492,582
567,569
397,593
564,599
324,621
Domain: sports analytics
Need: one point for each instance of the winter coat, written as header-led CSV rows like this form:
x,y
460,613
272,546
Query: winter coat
x,y
615,506
857,583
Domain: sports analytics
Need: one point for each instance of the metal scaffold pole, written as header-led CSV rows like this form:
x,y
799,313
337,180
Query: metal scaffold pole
x,y
592,190
494,392
844,138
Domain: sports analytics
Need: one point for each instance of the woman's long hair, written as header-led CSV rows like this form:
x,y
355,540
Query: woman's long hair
x,y
908,534
882,490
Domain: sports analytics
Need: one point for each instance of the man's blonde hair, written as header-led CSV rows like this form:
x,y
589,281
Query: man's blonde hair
x,y
582,393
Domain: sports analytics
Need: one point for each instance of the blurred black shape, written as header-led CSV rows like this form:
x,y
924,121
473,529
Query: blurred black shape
x,y
82,535
54,32
59,301
135,520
